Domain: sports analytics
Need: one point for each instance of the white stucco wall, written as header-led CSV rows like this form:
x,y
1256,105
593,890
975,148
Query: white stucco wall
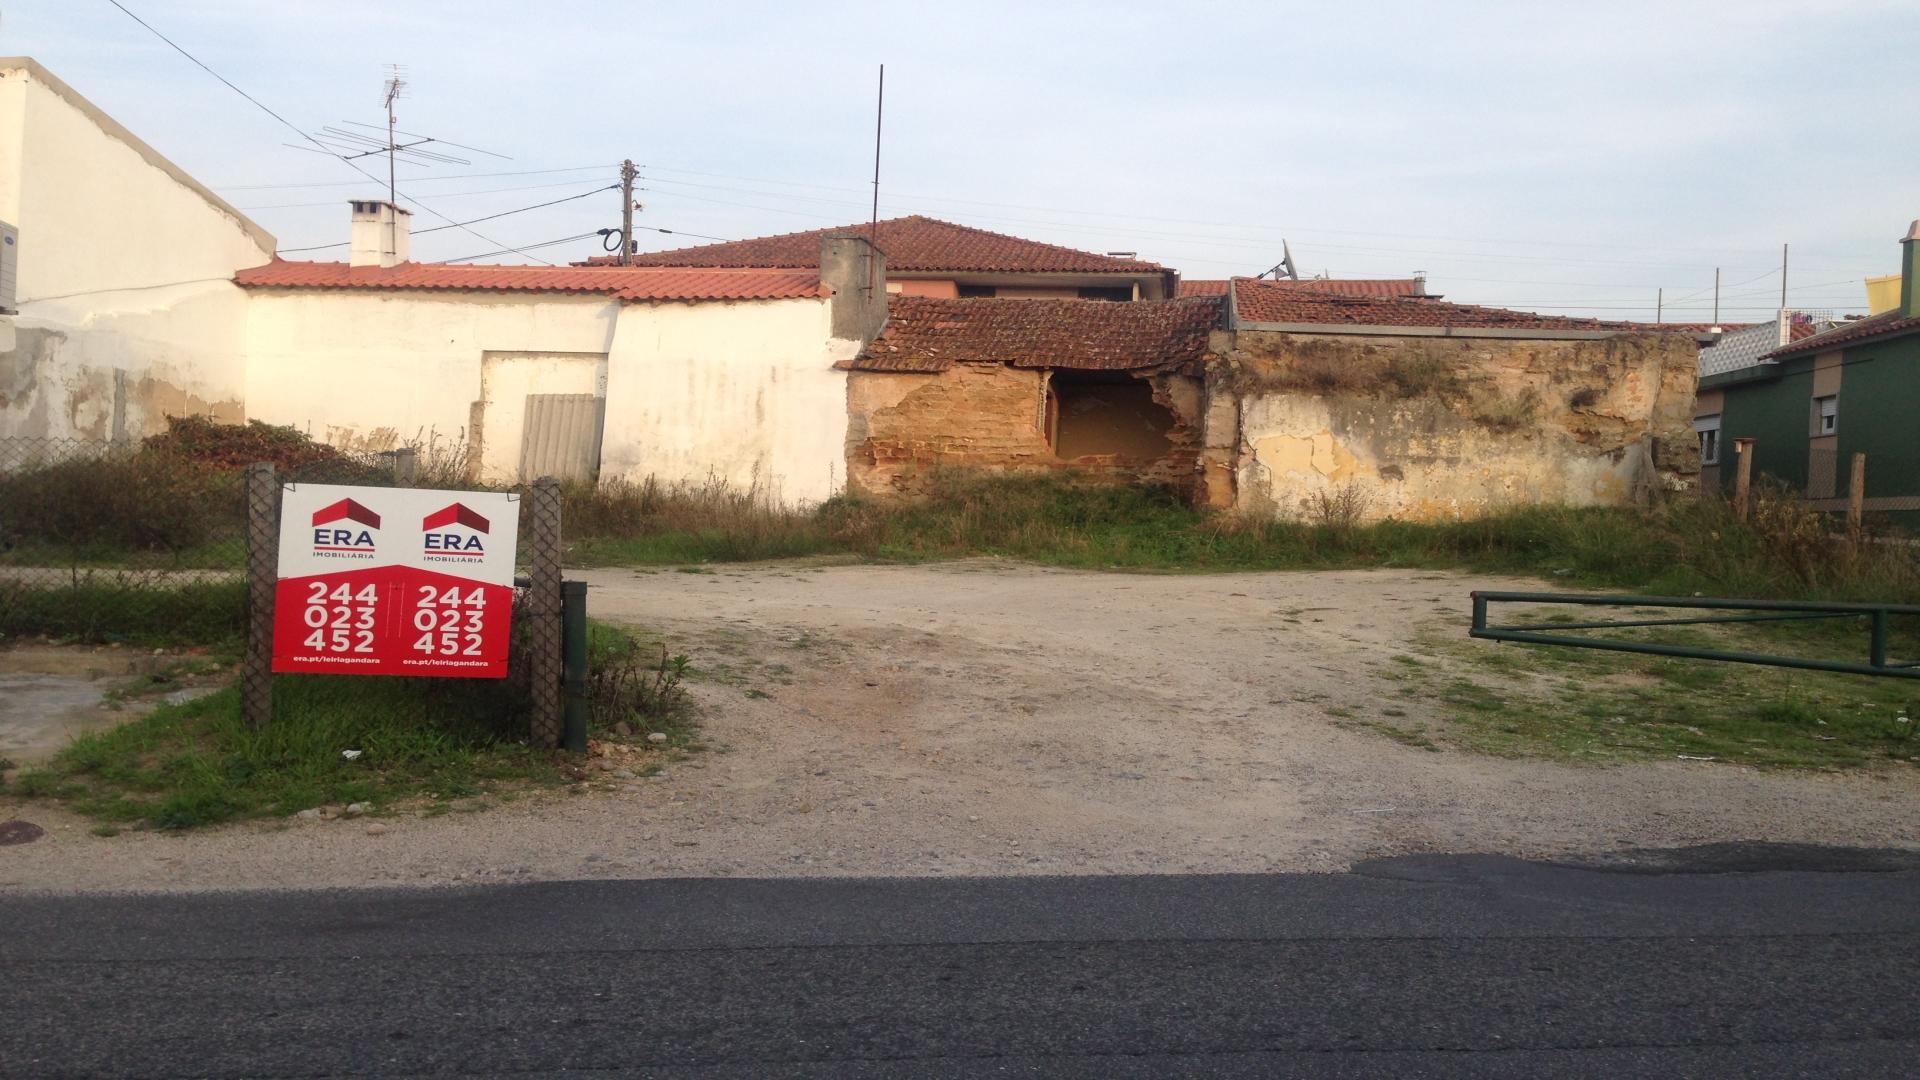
x,y
375,370
744,392
127,310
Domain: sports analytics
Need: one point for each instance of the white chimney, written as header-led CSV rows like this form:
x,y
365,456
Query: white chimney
x,y
382,233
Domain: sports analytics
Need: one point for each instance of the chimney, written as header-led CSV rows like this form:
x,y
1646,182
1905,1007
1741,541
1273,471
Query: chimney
x,y
1910,273
1419,283
381,233
856,272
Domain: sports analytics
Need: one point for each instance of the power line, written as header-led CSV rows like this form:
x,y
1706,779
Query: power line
x,y
289,124
522,210
521,251
462,224
897,198
437,195
417,179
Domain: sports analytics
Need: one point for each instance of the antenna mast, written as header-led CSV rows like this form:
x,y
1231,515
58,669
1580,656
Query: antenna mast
x,y
396,86
873,223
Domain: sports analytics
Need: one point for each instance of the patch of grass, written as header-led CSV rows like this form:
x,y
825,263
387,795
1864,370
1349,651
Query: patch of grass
x,y
97,611
196,764
437,742
1683,546
1597,706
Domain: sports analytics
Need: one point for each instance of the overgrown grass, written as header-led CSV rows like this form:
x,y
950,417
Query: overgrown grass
x,y
193,614
429,744
1686,545
1594,706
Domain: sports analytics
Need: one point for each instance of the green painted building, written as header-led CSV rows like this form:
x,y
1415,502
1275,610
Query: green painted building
x,y
1813,403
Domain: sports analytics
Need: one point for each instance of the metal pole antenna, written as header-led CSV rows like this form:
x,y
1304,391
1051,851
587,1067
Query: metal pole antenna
x,y
627,174
873,223
1783,277
1716,296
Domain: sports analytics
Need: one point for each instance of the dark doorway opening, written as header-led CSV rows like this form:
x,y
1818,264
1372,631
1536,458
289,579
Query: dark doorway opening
x,y
1099,414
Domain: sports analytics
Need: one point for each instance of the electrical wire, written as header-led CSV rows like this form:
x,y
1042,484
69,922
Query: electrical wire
x,y
437,195
257,103
460,224
520,250
418,179
1237,226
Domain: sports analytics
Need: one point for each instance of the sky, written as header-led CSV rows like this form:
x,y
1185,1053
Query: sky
x,y
1548,156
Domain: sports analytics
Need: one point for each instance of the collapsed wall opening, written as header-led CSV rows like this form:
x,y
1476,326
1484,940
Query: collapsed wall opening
x,y
1100,414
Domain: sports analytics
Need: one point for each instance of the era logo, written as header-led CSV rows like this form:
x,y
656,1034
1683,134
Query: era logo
x,y
343,537
441,540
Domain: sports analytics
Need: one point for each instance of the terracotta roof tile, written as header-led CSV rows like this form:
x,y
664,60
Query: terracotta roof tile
x,y
913,245
1203,287
1886,324
925,334
1274,302
621,283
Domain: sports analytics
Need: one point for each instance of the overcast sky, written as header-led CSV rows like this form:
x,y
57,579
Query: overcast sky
x,y
1539,155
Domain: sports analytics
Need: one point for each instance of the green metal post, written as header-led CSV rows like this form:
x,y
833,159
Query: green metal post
x,y
573,606
1877,651
1479,612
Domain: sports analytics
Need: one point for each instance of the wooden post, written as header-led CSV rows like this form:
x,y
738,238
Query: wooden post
x,y
263,572
1743,479
544,608
1857,493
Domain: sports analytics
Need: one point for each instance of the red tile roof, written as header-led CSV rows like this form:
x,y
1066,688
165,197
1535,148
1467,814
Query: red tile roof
x,y
620,283
924,334
913,245
1872,328
1284,302
1203,287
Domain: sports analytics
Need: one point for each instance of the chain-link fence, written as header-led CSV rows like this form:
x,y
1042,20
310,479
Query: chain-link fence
x,y
1889,483
106,540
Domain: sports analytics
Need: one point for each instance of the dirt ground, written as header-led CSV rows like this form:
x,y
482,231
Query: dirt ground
x,y
992,718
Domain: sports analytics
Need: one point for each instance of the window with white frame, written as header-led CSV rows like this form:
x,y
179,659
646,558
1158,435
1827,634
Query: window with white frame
x,y
1826,414
1709,429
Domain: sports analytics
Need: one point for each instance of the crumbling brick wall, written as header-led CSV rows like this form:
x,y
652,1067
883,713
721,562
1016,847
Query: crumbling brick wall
x,y
902,427
1442,427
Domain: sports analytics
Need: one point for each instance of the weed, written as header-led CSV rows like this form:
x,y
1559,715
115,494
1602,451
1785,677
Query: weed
x,y
630,682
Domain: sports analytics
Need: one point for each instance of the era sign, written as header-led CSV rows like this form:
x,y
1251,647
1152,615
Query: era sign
x,y
394,581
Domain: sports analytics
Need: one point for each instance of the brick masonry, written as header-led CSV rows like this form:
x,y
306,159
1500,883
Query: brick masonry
x,y
903,427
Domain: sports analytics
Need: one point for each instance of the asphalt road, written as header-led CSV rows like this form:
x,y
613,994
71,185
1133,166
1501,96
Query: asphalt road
x,y
1728,962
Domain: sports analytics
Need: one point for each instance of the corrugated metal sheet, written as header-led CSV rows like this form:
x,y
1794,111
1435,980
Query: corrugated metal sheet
x,y
562,437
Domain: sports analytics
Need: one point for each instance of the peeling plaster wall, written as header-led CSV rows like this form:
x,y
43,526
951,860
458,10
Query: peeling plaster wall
x,y
746,393
127,311
743,392
1432,428
901,427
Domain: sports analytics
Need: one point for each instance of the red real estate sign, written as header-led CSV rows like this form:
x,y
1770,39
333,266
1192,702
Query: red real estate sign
x,y
394,581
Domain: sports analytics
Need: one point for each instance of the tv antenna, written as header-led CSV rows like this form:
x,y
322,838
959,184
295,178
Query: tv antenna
x,y
343,142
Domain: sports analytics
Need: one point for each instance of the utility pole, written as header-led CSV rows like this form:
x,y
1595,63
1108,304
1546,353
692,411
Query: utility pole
x,y
627,174
1783,277
1659,306
1716,296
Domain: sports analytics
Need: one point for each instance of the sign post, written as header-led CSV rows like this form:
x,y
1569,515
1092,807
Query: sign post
x,y
394,581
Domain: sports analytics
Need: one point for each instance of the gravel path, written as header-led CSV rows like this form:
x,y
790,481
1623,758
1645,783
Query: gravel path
x,y
992,718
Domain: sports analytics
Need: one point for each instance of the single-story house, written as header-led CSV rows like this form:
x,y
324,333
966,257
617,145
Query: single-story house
x,y
928,257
